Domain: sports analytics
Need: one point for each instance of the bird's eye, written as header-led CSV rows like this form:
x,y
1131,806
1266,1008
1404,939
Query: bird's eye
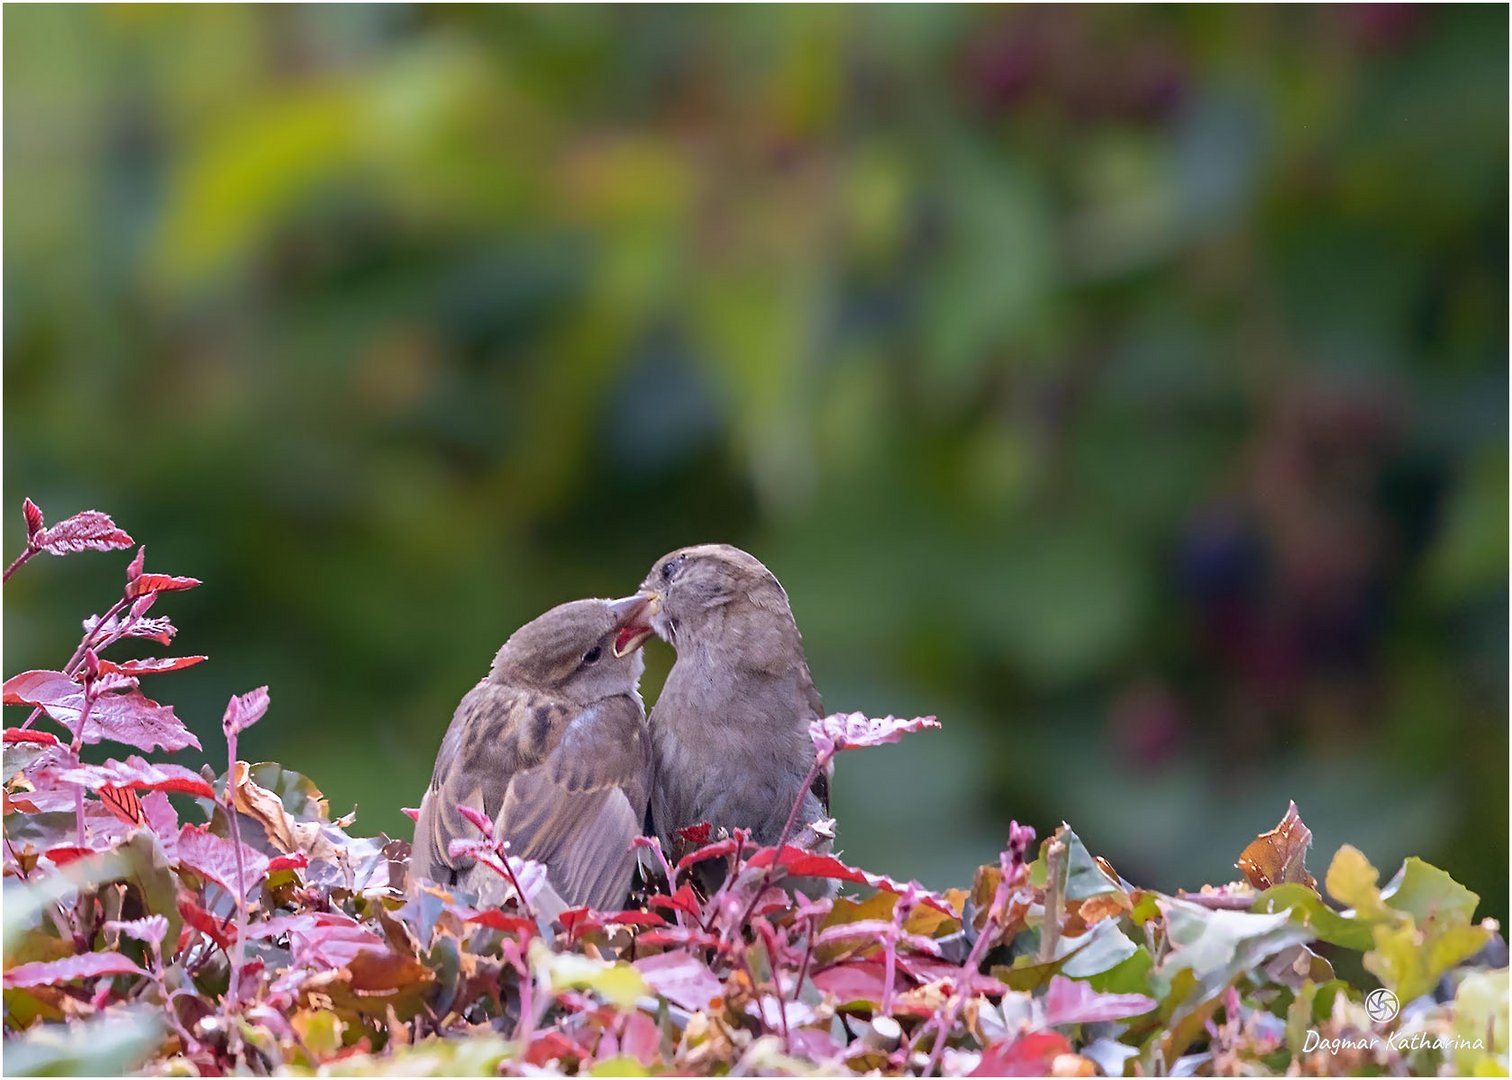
x,y
666,571
592,655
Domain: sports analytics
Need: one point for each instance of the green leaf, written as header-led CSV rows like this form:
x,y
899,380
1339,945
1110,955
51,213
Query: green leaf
x,y
1308,908
1084,877
1224,943
619,984
1426,892
1129,976
1299,1018
1480,1012
1101,949
1411,962
298,793
148,868
1352,881
619,1066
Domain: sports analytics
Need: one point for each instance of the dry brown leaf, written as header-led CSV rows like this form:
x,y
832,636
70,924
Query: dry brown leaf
x,y
283,831
1279,856
1095,909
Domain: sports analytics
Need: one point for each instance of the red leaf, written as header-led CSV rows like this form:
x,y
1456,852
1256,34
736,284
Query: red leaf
x,y
685,899
926,969
113,681
150,665
850,731
203,921
802,863
716,850
123,803
35,687
582,920
875,931
579,920
633,918
85,966
695,834
151,583
1028,1055
161,818
150,928
799,862
159,629
134,568
495,919
327,939
129,717
1071,1002
552,1046
214,858
88,530
411,812
847,983
681,978
62,856
298,861
141,775
640,1038
244,710
27,735
34,521
680,935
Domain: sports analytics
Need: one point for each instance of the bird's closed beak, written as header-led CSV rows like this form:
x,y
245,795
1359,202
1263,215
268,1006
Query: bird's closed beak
x,y
632,616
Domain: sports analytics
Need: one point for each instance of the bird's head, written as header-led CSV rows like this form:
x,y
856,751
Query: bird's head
x,y
586,650
715,591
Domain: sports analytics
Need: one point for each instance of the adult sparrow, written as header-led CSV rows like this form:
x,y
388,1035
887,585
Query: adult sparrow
x,y
730,729
552,747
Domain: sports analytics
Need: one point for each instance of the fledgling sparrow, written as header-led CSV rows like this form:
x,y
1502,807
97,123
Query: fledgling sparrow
x,y
552,747
730,729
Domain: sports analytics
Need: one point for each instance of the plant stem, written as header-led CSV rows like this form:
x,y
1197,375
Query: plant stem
x,y
510,874
669,873
808,953
821,761
87,642
78,744
1055,887
769,939
21,560
233,995
945,1018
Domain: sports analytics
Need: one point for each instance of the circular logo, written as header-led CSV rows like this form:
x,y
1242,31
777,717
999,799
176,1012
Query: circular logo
x,y
1382,1005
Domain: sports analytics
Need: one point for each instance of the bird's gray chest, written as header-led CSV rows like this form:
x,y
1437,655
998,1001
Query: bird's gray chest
x,y
730,752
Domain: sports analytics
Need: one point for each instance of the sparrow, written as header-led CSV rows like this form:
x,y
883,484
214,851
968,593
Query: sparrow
x,y
730,731
552,747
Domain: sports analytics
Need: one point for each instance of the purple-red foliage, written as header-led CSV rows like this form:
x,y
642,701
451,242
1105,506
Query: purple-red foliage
x,y
260,935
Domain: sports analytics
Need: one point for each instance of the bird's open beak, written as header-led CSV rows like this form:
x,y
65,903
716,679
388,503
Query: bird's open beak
x,y
632,616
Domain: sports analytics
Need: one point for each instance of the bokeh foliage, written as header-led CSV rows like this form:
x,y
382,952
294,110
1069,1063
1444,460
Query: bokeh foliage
x,y
1125,386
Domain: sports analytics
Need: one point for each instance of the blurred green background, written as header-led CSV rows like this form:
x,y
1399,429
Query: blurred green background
x,y
1126,386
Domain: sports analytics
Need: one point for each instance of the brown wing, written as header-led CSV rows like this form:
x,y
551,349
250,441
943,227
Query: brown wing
x,y
579,810
491,737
